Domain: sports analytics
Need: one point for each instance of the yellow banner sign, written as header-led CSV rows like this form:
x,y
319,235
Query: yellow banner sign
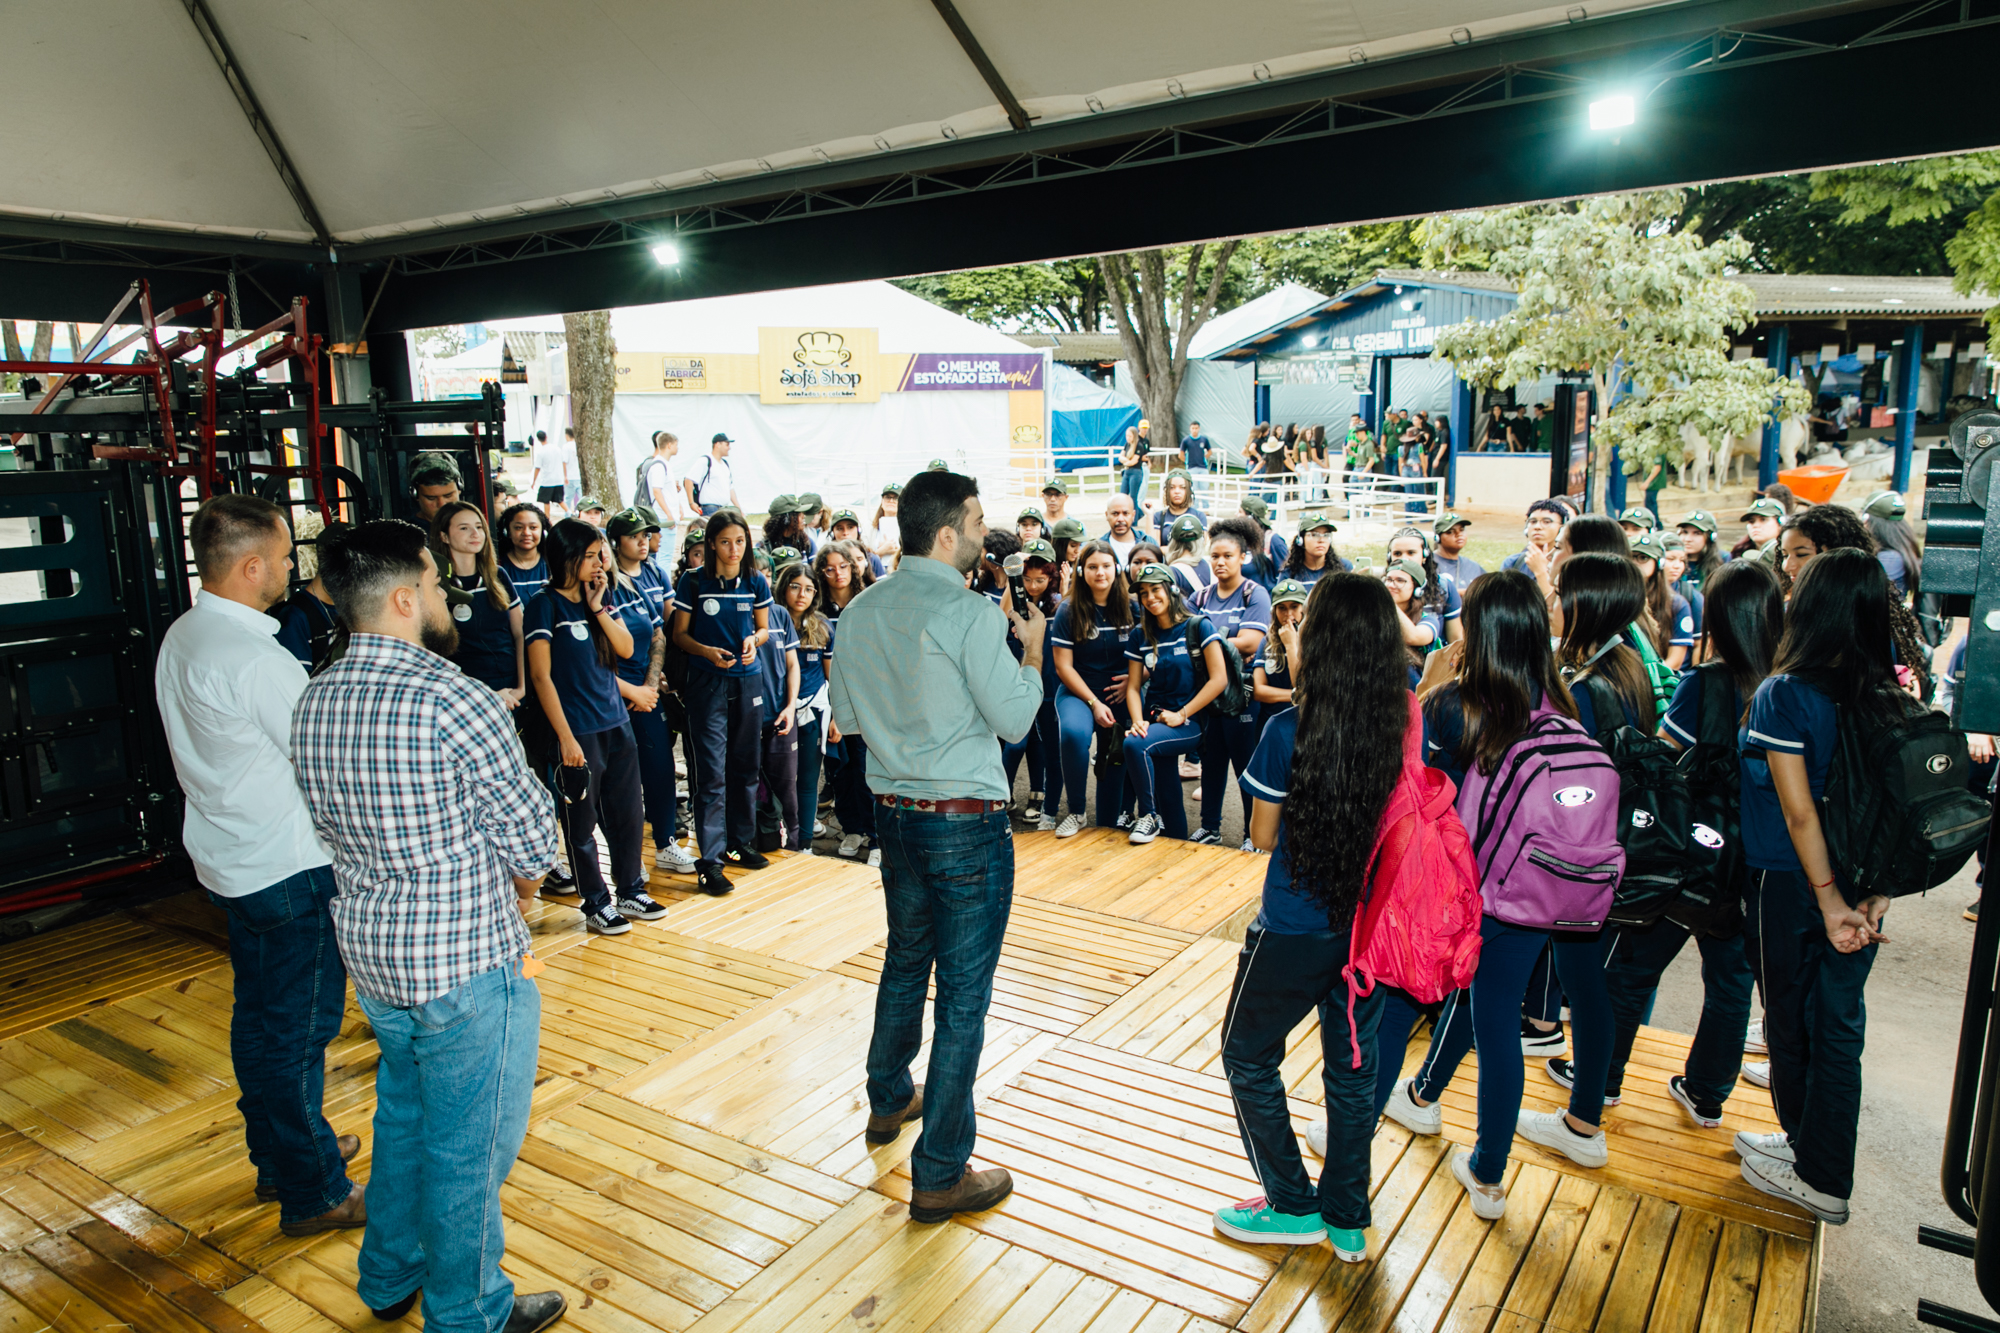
x,y
818,365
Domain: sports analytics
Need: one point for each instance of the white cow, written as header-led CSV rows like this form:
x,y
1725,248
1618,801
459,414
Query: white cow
x,y
1709,469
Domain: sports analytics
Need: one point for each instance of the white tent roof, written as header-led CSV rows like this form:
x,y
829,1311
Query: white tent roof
x,y
1277,306
905,323
403,118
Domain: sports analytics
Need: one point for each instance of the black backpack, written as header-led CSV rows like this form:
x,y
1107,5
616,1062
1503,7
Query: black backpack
x,y
1234,701
1711,897
1897,814
1654,812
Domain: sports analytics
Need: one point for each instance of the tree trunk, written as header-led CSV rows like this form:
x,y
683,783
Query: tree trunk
x,y
75,343
593,381
45,340
1139,292
12,336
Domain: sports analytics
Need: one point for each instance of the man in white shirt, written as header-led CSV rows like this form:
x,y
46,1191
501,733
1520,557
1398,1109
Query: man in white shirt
x,y
657,489
1119,514
545,480
712,484
226,692
572,468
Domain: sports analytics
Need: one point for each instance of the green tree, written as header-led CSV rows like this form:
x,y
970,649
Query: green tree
x,y
1159,300
1064,296
1331,260
1609,286
1925,192
1791,231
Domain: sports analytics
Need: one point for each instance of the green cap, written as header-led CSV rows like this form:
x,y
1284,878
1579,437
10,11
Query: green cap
x,y
1155,573
1056,484
654,518
1700,519
1037,549
937,465
1254,506
1885,504
1638,516
1670,542
696,531
784,555
434,467
1030,514
845,516
1181,473
892,488
782,505
1764,507
628,523
1410,567
506,486
809,503
1068,529
1648,544
1315,520
1289,590
1446,522
588,503
1186,530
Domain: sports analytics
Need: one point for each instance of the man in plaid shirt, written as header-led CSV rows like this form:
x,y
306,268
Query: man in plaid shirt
x,y
415,781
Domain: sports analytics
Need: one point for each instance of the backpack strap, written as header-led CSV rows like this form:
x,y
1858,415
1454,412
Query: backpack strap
x,y
1604,701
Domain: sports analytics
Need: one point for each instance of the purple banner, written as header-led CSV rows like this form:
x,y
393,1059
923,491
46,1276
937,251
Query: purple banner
x,y
973,370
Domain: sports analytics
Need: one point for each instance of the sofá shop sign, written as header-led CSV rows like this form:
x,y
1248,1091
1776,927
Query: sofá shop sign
x,y
1008,371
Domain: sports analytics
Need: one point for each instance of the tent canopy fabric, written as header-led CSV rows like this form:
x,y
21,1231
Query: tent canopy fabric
x,y
1086,420
401,119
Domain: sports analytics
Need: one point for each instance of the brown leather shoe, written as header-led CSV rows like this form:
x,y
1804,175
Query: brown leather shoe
x,y
348,1144
975,1192
885,1128
351,1213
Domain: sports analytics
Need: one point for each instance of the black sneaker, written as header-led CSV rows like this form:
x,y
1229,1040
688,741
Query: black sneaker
x,y
1563,1074
1706,1114
558,885
1534,1041
1971,912
713,882
640,906
1207,837
744,858
606,921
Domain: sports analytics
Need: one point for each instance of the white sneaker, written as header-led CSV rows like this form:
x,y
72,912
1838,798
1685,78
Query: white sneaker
x,y
874,858
1124,820
1488,1201
673,857
1316,1139
1774,1147
1189,771
1144,829
1046,824
1403,1109
850,846
1534,1041
819,828
1248,846
1071,826
1551,1130
1757,1073
1782,1179
1753,1040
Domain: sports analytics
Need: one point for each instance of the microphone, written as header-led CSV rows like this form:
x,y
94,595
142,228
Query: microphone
x,y
1016,588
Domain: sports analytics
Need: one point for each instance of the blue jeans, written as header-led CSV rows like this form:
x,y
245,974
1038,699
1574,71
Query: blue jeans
x,y
1635,958
291,989
451,1109
655,740
1279,980
1225,741
1815,1021
1132,481
1076,725
948,884
726,719
1150,767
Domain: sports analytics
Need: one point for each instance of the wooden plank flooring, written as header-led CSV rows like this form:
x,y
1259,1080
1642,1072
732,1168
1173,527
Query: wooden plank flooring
x,y
694,1158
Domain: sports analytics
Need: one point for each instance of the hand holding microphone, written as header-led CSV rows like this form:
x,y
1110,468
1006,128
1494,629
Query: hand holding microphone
x,y
1028,619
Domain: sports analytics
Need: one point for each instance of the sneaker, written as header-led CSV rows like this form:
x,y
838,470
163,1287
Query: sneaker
x,y
1534,1041
1189,771
1255,1223
745,858
557,884
1551,1130
1563,1074
1753,1040
1757,1073
1349,1246
874,858
1782,1179
1971,912
1071,826
1489,1202
1248,846
1706,1114
1144,829
1047,823
1316,1138
606,921
1775,1147
713,882
819,828
850,846
640,906
1032,811
1403,1109
674,859
1124,821
1207,837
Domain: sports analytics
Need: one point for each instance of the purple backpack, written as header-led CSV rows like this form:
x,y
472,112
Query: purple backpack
x,y
1545,828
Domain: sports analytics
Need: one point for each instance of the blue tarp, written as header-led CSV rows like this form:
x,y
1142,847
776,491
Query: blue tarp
x,y
1085,421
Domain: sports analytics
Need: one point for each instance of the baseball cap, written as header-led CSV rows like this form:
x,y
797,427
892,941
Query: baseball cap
x,y
1669,542
1315,520
784,555
1764,507
1289,590
506,486
1155,573
1185,529
892,488
1181,473
628,523
1037,549
588,503
809,503
1254,506
1698,518
1144,422
1885,504
720,437
937,465
695,532
1639,515
1028,512
782,505
1446,522
1648,544
1068,529
1056,484
1410,567
846,516
434,467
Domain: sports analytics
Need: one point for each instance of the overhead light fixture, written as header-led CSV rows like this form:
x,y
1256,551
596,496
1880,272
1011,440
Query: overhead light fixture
x,y
1892,300
666,254
1613,112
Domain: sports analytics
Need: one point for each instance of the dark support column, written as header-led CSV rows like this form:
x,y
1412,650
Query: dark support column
x,y
1463,423
1908,373
389,365
1384,387
346,311
1778,356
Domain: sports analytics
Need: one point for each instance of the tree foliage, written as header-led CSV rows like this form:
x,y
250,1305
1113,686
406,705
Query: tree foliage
x,y
1065,296
1611,287
1159,300
1964,188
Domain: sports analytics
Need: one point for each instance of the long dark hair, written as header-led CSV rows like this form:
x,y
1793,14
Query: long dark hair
x,y
1837,637
567,543
1831,528
1434,593
485,564
721,521
1082,618
1704,565
1506,664
814,632
505,543
1177,611
1894,534
1295,557
1602,595
1598,534
1659,603
1351,694
1744,615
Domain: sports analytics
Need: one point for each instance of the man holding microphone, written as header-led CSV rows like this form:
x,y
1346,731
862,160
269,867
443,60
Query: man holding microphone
x,y
947,847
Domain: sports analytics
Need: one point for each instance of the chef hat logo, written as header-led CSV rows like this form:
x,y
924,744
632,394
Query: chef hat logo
x,y
822,350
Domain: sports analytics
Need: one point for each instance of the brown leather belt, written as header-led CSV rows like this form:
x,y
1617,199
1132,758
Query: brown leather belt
x,y
956,806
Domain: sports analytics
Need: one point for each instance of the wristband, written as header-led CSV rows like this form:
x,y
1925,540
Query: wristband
x,y
1817,887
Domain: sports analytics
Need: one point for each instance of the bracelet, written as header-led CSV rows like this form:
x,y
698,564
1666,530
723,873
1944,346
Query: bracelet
x,y
1817,887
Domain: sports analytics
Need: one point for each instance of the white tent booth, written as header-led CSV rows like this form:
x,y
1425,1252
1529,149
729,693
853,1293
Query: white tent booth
x,y
833,389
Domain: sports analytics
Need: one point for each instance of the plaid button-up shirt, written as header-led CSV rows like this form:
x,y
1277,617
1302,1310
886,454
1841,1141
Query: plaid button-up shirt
x,y
416,781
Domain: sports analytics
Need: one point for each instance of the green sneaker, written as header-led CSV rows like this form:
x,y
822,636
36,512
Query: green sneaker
x,y
1349,1245
1254,1223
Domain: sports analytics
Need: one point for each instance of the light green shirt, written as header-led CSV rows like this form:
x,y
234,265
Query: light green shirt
x,y
921,671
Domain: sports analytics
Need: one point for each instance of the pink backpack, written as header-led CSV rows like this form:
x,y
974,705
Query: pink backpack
x,y
1417,927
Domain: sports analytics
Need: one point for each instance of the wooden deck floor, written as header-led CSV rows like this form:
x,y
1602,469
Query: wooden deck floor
x,y
695,1158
